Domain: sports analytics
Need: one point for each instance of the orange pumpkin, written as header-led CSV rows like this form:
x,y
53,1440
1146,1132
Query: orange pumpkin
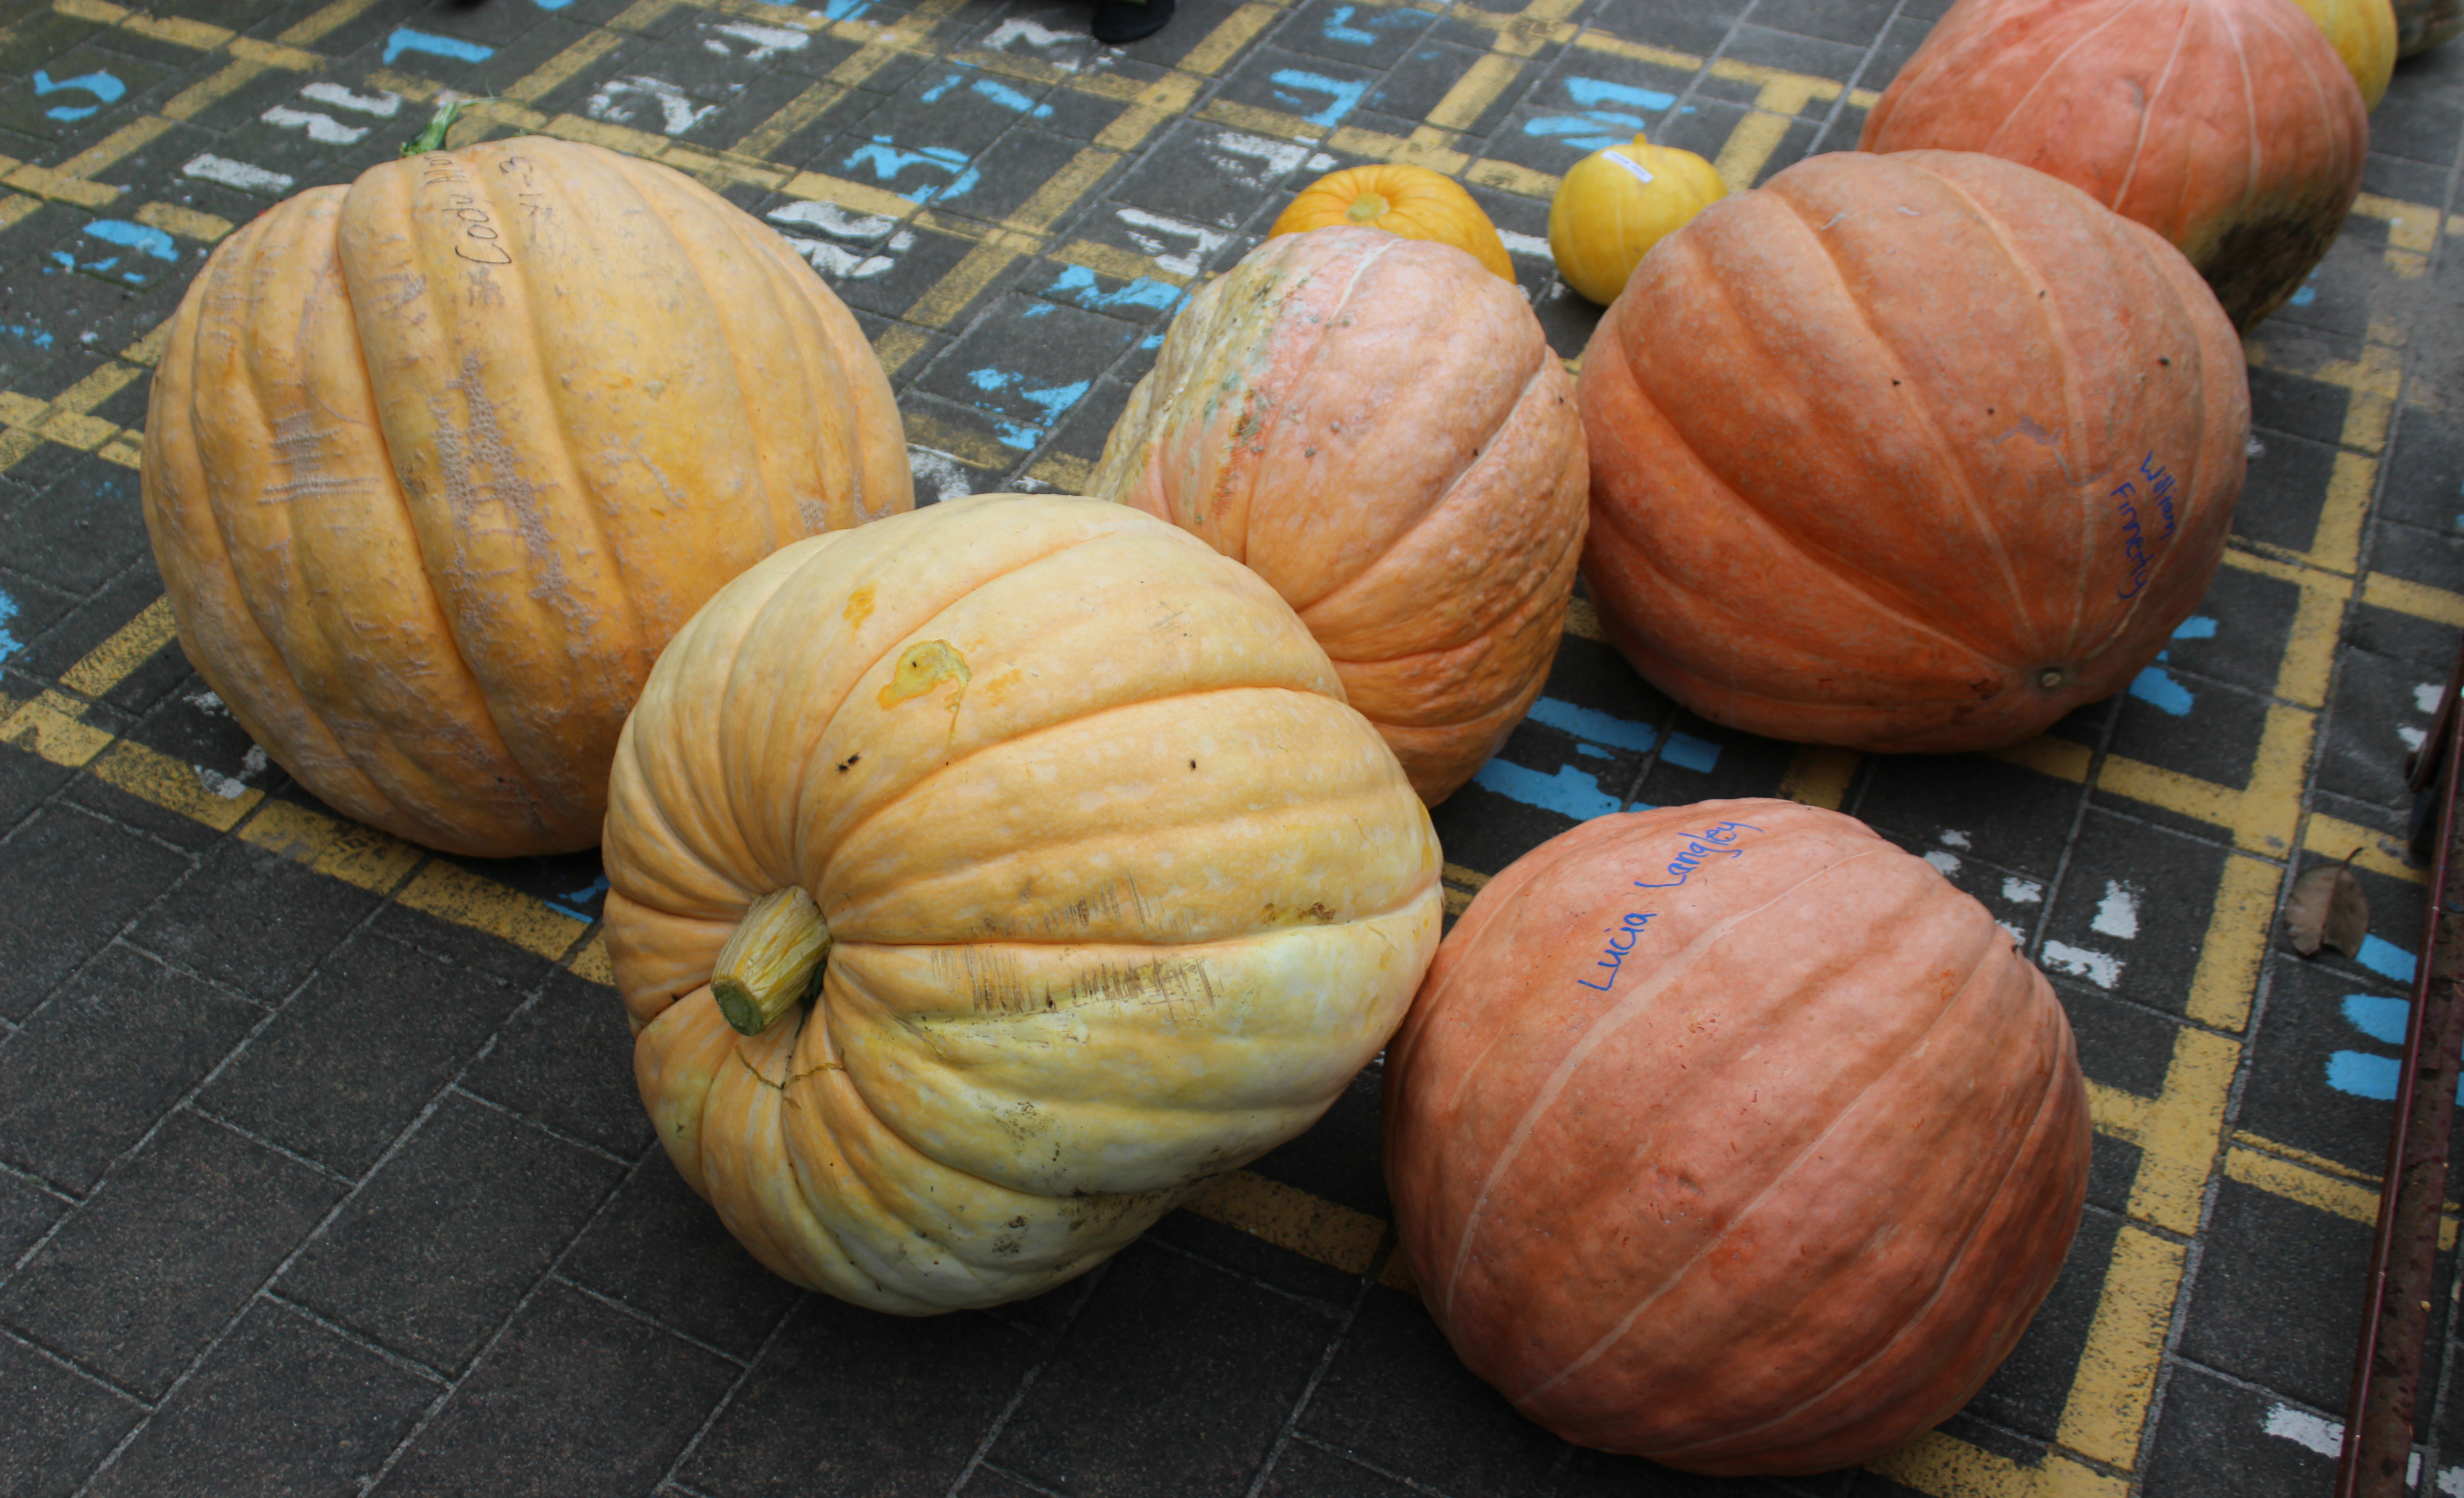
x,y
1734,1136
1410,201
436,463
1108,891
2229,126
1837,500
1379,427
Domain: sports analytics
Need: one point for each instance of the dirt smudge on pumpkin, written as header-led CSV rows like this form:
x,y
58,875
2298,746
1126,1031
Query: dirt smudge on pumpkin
x,y
859,607
926,664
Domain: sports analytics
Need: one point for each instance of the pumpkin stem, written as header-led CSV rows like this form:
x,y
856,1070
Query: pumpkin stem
x,y
432,137
773,963
1368,208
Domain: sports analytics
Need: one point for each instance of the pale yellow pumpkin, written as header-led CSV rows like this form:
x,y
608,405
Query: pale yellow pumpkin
x,y
2363,33
1614,205
1118,894
436,463
1410,201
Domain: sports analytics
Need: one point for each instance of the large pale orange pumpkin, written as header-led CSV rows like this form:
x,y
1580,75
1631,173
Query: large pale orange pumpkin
x,y
437,462
2229,126
1907,452
1734,1136
1114,891
1379,429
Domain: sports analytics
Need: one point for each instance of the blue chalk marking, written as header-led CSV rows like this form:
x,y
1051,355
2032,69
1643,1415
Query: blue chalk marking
x,y
1008,98
1600,728
1042,309
1592,93
888,162
10,643
1610,113
932,95
1341,96
2198,627
1052,400
406,39
1077,283
1694,754
1339,29
103,86
2387,959
1569,793
576,903
2363,1075
1593,750
2379,1019
551,5
1147,345
34,336
135,236
2156,686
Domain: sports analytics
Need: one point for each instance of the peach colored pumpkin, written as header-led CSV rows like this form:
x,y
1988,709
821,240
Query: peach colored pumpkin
x,y
2229,126
1734,1136
436,463
1118,894
1380,430
1911,453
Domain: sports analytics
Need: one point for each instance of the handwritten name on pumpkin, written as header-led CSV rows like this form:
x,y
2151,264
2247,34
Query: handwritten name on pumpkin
x,y
1718,840
479,236
2134,537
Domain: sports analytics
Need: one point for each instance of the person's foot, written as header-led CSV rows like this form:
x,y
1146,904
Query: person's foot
x,y
1118,21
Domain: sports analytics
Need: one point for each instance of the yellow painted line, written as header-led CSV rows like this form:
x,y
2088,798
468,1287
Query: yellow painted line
x,y
344,851
966,280
326,22
1639,51
1061,190
2115,1381
1475,92
2333,837
1819,775
451,892
273,54
2116,1113
2411,225
1262,121
2236,945
551,74
2179,1141
591,964
152,776
858,196
2357,1200
1224,43
2420,600
186,222
207,92
2047,755
2337,544
45,182
1071,475
926,431
1425,147
789,118
1749,146
596,132
1291,1218
2309,659
897,345
1121,265
1946,1466
49,727
130,138
131,646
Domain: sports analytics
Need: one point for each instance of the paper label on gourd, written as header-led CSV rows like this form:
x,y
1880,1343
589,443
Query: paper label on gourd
x,y
1640,174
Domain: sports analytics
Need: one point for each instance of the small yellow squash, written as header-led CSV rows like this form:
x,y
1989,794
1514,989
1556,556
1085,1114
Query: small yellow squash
x,y
1410,201
2363,34
1614,205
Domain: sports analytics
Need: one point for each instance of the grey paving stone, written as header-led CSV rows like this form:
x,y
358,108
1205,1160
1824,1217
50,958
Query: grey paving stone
x,y
104,1060
292,917
566,1060
27,1209
661,1250
2132,912
1122,1410
69,880
60,1422
2215,1437
356,1055
852,1401
2325,1059
1306,1469
153,1267
282,1405
443,1241
2029,1391
1998,810
2255,1317
1397,1398
575,1398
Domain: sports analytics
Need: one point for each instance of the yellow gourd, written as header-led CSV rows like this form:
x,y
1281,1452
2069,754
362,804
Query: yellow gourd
x,y
1614,205
1410,201
2363,32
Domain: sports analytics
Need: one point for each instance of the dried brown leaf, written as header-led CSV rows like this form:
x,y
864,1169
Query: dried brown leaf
x,y
2327,908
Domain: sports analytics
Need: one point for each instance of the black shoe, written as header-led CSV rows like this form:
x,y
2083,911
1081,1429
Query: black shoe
x,y
1118,21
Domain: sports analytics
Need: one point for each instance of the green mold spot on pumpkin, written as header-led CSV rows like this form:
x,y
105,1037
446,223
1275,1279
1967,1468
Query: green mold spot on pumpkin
x,y
926,664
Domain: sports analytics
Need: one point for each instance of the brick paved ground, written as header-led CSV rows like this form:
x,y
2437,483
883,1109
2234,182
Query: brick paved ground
x,y
319,1167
